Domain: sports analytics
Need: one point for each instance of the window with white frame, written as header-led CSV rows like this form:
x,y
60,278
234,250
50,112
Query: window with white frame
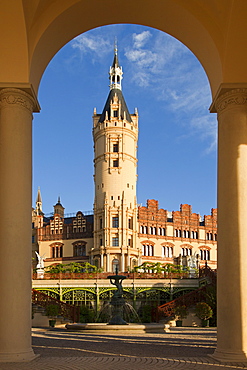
x,y
115,241
205,254
147,250
168,251
115,221
186,251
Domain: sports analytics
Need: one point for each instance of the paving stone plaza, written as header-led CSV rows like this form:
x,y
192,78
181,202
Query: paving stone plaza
x,y
182,348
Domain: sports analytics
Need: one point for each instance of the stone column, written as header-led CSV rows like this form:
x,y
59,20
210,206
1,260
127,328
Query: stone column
x,y
123,261
128,259
16,107
108,267
102,259
231,107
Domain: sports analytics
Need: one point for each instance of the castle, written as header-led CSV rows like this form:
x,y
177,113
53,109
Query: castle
x,y
119,233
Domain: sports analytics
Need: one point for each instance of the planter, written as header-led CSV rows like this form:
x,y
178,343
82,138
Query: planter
x,y
52,323
179,323
205,323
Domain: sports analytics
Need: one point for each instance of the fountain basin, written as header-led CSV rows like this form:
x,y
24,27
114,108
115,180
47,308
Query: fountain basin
x,y
102,328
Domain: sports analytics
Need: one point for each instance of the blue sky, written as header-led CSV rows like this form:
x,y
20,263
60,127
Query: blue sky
x,y
177,134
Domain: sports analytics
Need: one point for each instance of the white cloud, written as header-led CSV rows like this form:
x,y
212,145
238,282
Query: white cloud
x,y
142,79
168,70
90,43
141,38
205,127
142,58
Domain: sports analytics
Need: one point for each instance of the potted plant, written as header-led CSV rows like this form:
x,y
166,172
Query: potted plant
x,y
204,312
52,311
181,312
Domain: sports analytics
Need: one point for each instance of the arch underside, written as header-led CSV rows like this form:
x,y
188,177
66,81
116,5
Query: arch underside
x,y
206,29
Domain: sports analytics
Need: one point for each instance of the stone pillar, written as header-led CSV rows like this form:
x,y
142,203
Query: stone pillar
x,y
102,260
108,267
128,260
123,261
231,107
16,107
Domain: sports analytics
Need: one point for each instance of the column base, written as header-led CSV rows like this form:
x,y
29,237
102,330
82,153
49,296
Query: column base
x,y
18,356
228,356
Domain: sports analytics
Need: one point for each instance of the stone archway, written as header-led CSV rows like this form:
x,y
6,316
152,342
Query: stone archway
x,y
31,33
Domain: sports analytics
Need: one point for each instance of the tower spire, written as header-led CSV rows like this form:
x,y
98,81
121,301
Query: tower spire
x,y
115,46
39,202
116,73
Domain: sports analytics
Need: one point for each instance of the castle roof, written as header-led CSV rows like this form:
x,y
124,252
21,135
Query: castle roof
x,y
124,108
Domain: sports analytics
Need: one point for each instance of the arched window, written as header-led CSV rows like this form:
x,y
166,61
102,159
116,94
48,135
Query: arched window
x,y
168,251
147,250
133,262
115,265
96,262
205,254
186,251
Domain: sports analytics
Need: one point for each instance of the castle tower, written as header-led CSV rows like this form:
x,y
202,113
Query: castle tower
x,y
37,213
39,203
115,134
58,208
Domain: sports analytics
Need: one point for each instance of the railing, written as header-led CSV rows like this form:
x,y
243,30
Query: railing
x,y
66,215
103,275
65,236
65,310
190,299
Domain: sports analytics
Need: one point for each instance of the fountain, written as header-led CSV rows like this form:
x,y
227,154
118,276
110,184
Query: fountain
x,y
117,301
116,322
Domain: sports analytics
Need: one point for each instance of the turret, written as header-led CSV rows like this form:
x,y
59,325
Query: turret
x,y
59,209
115,133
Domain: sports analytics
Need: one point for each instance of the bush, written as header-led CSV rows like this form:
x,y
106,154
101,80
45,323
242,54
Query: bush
x,y
86,315
181,312
145,313
203,311
52,310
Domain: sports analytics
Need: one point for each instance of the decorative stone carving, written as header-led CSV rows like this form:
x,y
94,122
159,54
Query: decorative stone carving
x,y
231,98
11,96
